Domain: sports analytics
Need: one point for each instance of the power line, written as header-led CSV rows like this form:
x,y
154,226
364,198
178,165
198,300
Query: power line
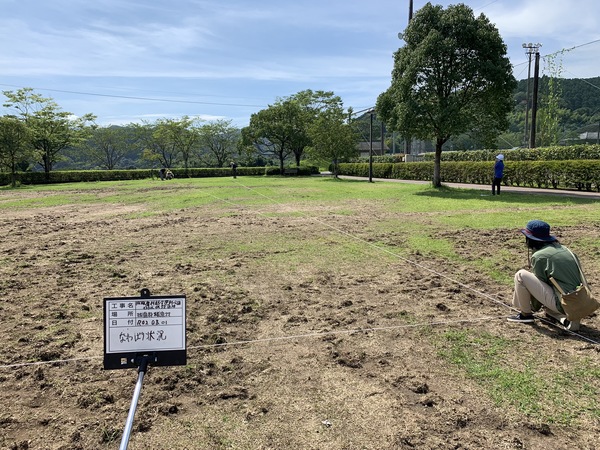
x,y
127,97
584,80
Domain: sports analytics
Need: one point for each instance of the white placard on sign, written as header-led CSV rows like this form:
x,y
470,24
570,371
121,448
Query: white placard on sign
x,y
135,325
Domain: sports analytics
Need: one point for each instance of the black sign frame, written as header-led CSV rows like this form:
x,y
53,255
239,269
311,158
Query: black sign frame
x,y
156,357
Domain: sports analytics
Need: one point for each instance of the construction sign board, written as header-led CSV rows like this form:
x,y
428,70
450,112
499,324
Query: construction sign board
x,y
150,326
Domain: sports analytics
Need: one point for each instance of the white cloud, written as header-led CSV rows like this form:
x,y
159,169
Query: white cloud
x,y
264,49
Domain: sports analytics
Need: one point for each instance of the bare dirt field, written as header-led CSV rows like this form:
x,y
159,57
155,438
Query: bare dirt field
x,y
289,346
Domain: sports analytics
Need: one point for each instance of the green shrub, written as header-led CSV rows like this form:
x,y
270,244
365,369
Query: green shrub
x,y
554,153
575,174
74,176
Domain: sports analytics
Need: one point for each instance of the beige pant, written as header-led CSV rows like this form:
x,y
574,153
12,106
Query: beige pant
x,y
528,287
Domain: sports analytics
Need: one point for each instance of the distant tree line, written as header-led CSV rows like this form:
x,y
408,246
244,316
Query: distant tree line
x,y
37,134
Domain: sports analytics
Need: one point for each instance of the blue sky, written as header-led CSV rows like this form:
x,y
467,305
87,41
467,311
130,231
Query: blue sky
x,y
132,60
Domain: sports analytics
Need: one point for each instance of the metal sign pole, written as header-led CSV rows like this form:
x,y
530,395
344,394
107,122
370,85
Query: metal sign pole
x,y
139,331
134,402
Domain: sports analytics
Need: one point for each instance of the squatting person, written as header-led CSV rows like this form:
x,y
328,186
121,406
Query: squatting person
x,y
533,288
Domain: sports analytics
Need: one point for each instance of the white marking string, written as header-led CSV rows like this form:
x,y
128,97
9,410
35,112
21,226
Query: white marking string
x,y
370,244
269,339
329,333
299,337
396,255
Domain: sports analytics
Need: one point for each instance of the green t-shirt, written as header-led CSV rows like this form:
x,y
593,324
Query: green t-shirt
x,y
556,261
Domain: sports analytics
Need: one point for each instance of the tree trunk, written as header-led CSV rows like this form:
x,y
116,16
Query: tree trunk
x,y
47,164
437,179
13,174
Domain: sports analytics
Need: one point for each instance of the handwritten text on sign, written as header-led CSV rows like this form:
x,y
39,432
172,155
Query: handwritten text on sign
x,y
145,325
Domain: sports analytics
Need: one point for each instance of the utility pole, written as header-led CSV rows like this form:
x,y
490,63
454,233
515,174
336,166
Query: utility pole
x,y
382,135
408,139
530,50
371,148
536,76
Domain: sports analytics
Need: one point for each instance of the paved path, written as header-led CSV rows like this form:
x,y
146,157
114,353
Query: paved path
x,y
488,188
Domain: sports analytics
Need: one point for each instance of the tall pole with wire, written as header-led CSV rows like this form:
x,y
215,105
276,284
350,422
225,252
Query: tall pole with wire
x,y
536,76
407,142
530,49
371,147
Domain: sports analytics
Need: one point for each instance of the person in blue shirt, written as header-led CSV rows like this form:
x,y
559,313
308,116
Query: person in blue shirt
x,y
498,174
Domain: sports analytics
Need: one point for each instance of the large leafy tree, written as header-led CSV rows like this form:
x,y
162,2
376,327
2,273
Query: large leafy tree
x,y
313,105
52,129
451,76
276,129
14,144
157,143
218,142
333,138
180,135
107,147
283,128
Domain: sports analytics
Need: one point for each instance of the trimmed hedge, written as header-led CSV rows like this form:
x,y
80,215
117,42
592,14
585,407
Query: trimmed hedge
x,y
555,153
74,176
580,175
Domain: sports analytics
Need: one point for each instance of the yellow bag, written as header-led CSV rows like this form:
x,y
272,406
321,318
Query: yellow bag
x,y
577,304
580,303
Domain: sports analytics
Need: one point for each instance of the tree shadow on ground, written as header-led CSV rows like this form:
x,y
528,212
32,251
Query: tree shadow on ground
x,y
446,192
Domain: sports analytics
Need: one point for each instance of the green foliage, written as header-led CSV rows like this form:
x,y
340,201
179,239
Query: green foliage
x,y
218,142
451,76
580,175
176,137
279,128
14,145
51,129
108,146
333,139
293,124
554,153
550,109
74,176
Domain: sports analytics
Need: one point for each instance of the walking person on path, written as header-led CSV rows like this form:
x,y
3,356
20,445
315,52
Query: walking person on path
x,y
498,174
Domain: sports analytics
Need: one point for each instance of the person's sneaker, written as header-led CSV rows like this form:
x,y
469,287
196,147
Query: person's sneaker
x,y
521,318
570,325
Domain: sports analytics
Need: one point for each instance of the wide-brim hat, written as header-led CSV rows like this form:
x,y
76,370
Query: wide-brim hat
x,y
500,157
538,230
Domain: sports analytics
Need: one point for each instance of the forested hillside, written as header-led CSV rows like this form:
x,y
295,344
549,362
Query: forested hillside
x,y
576,110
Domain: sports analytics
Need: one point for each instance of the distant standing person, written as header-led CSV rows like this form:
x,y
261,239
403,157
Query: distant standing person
x,y
234,169
498,174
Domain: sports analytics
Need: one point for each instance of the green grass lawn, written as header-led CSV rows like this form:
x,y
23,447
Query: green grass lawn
x,y
423,219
